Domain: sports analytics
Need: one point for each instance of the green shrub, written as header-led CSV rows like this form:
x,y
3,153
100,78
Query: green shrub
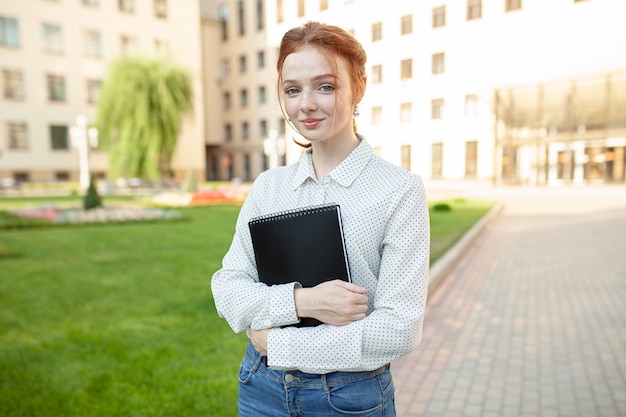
x,y
92,199
442,207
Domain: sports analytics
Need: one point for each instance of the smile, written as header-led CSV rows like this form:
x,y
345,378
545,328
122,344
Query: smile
x,y
311,123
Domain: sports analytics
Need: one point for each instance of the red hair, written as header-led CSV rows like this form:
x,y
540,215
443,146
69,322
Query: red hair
x,y
332,42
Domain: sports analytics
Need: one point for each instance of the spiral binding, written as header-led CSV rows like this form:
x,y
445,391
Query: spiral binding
x,y
293,213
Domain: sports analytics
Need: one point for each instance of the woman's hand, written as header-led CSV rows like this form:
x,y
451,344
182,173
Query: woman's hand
x,y
334,302
259,340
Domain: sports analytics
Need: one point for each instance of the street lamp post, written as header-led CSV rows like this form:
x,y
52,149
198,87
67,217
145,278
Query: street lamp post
x,y
274,148
83,138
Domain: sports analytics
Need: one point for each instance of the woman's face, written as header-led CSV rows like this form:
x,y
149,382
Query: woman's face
x,y
319,104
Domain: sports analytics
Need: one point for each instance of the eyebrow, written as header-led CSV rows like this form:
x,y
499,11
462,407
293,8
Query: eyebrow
x,y
318,77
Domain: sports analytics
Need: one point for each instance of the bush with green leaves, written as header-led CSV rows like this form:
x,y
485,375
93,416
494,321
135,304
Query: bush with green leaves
x,y
92,199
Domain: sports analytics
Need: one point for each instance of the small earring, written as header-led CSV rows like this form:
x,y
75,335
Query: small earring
x,y
356,112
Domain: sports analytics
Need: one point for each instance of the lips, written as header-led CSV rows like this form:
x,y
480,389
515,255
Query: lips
x,y
311,123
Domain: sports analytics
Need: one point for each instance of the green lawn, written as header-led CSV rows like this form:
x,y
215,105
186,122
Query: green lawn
x,y
118,320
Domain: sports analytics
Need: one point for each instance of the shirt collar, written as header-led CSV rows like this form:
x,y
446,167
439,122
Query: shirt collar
x,y
344,174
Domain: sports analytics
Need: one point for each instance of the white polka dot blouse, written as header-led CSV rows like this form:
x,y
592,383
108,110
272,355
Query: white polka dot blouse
x,y
387,231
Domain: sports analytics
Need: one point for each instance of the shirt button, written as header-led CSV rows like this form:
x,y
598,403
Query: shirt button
x,y
288,378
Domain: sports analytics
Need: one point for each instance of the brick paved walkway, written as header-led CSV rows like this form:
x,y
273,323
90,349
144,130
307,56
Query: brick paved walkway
x,y
532,319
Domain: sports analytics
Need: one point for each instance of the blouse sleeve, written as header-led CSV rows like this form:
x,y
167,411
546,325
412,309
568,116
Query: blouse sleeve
x,y
239,297
394,326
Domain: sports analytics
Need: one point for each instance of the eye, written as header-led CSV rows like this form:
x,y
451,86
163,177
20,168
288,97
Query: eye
x,y
327,88
292,91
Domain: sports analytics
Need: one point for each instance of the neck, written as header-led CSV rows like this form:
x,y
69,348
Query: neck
x,y
330,153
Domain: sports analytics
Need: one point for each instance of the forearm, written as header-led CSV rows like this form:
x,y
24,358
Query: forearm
x,y
362,345
246,304
334,302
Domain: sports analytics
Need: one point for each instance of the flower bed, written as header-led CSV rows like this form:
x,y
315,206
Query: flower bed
x,y
200,198
55,215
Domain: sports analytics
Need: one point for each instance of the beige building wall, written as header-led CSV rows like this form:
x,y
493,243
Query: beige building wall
x,y
419,108
487,46
243,107
136,31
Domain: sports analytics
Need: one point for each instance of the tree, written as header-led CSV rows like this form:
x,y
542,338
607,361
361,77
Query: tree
x,y
140,112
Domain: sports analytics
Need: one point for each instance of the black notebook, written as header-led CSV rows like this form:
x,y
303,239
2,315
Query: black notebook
x,y
304,245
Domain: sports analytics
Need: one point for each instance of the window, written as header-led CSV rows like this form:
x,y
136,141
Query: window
x,y
437,160
260,15
471,105
405,157
13,85
228,132
438,63
21,177
9,32
566,162
406,24
279,11
127,6
245,131
471,158
513,5
241,18
160,8
243,97
56,88
242,64
225,68
224,21
377,74
301,8
436,108
406,69
406,110
226,100
52,39
377,115
91,3
323,5
263,128
262,94
17,135
93,91
127,45
62,176
260,59
377,31
93,46
246,167
474,9
439,16
59,139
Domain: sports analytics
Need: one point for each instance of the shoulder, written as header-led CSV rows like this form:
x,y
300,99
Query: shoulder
x,y
392,175
279,175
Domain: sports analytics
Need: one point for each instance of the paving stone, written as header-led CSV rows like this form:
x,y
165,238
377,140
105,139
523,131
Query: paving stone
x,y
530,320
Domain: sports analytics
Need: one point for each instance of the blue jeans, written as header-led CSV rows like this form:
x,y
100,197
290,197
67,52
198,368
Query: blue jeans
x,y
272,393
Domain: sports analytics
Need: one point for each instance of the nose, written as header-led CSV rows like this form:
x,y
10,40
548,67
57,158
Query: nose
x,y
307,102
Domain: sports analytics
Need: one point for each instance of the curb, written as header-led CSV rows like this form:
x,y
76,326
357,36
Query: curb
x,y
442,267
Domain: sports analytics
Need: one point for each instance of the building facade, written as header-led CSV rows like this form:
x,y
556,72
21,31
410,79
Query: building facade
x,y
525,92
451,86
54,56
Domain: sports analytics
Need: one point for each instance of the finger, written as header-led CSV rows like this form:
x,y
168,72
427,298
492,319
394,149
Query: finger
x,y
351,287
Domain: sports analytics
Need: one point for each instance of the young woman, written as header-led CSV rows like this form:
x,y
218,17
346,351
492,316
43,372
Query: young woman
x,y
340,367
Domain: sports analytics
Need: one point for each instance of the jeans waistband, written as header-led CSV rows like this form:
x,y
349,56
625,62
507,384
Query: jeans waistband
x,y
332,378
